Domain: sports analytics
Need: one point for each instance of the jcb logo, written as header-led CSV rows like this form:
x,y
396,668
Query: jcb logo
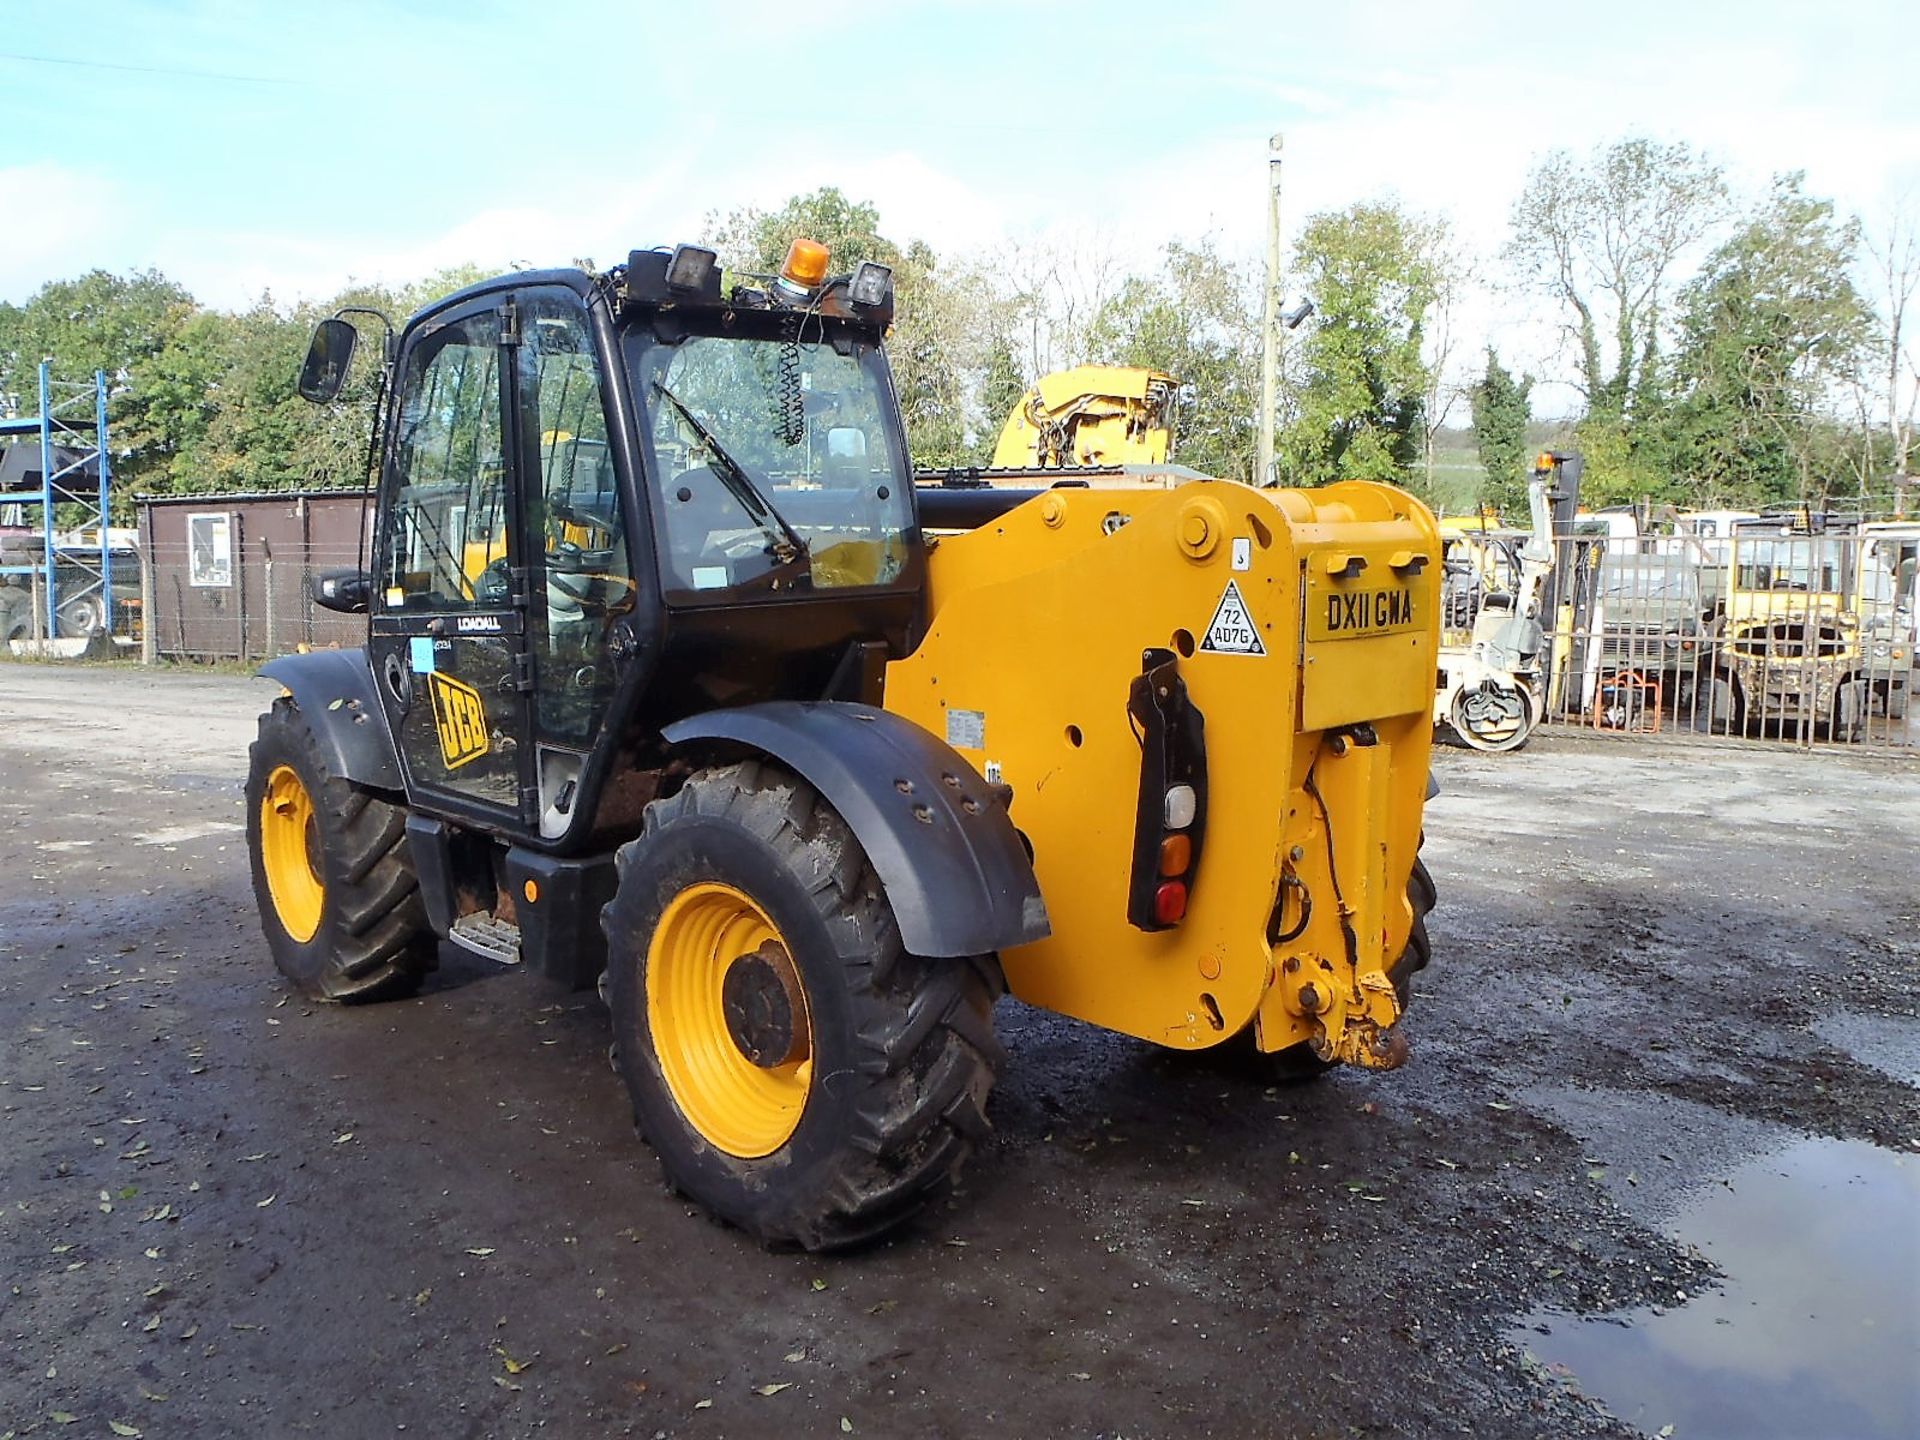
x,y
460,719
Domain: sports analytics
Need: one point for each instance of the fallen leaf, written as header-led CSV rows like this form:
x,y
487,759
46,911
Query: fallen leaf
x,y
1082,1375
616,1349
846,1426
62,1417
819,1284
482,1252
151,1253
342,1139
513,1366
154,1395
794,1357
1450,1164
506,1384
703,1404
773,1389
336,704
151,1325
120,1427
424,1296
1664,1432
262,1204
1497,1105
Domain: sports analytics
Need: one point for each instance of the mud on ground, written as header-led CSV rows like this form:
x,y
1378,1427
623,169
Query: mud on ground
x,y
224,1211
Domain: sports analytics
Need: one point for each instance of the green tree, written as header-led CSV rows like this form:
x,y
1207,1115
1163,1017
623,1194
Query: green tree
x,y
1001,389
937,349
1772,327
1605,239
1500,415
99,322
1362,382
1196,320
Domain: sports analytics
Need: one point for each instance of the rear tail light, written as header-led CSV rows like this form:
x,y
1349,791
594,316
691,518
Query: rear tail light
x,y
1176,855
1182,804
1171,815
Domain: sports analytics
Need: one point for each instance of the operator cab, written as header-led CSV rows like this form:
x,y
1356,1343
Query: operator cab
x,y
612,501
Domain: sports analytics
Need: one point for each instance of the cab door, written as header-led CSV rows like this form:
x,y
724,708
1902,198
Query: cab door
x,y
448,634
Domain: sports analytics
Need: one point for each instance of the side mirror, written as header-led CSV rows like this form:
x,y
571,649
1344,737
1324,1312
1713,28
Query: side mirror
x,y
348,591
329,354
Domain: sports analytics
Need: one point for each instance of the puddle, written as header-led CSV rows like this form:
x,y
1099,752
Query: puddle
x,y
1816,1330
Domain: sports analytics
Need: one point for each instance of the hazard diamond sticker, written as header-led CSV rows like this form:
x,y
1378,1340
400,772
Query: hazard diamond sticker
x,y
1232,630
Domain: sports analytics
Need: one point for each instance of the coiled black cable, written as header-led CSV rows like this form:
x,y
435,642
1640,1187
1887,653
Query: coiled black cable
x,y
789,406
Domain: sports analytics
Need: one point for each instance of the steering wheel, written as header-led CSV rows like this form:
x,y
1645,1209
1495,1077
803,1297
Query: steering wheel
x,y
494,585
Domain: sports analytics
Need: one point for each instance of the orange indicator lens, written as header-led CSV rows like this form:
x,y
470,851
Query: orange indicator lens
x,y
1176,854
806,264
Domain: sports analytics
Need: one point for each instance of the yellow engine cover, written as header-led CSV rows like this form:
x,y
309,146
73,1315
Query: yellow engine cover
x,y
1305,624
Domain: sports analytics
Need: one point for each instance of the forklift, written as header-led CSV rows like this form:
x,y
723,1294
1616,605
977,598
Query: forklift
x,y
667,689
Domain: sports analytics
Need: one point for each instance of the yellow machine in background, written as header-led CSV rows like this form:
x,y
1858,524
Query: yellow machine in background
x,y
1091,415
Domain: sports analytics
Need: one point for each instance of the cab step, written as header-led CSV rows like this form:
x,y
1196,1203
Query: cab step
x,y
487,935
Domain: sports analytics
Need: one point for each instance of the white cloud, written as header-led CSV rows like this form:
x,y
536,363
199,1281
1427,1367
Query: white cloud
x,y
57,223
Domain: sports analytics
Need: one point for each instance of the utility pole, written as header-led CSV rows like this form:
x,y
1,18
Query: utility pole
x,y
1270,326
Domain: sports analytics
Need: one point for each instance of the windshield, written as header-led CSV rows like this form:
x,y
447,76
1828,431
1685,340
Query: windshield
x,y
1791,563
777,466
1660,579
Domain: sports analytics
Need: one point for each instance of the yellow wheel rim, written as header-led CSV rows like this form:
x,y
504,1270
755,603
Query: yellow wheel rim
x,y
287,845
745,1108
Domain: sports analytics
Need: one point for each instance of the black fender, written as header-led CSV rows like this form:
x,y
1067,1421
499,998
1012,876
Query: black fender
x,y
334,689
955,870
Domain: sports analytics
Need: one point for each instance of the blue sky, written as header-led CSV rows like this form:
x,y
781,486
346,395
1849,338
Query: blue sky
x,y
246,146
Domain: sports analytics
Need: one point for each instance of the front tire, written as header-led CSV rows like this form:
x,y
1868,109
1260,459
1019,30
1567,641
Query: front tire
x,y
796,1070
339,899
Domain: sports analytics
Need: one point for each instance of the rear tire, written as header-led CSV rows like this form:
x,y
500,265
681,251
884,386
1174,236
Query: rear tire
x,y
80,618
1298,1063
871,1084
339,899
1496,721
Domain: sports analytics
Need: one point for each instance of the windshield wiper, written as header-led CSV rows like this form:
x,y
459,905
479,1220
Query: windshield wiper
x,y
740,484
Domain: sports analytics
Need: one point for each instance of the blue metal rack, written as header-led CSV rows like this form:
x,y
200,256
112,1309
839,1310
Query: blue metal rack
x,y
63,425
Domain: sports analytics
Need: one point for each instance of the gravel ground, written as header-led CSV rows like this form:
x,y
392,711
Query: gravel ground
x,y
227,1212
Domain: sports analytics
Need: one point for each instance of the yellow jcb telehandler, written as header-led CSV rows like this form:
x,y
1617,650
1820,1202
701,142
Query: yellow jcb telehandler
x,y
716,727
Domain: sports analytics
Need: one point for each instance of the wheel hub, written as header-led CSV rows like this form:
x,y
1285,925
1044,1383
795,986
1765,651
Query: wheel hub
x,y
761,998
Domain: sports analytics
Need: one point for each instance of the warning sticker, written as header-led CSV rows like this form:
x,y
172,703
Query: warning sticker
x,y
1232,631
967,729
